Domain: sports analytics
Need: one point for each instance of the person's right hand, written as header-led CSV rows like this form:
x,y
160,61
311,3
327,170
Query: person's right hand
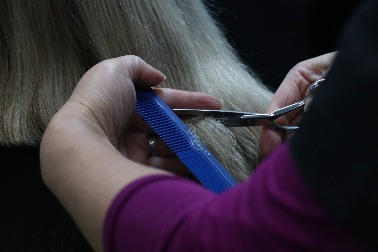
x,y
291,90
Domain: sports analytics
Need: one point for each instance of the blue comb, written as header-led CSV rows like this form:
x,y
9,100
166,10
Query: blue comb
x,y
183,142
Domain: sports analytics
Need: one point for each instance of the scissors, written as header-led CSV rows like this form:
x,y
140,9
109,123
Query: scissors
x,y
242,119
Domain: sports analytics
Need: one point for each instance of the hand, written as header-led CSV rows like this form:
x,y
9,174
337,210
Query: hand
x,y
136,145
291,90
88,148
104,100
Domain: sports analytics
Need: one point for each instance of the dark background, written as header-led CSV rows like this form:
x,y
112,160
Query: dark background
x,y
271,36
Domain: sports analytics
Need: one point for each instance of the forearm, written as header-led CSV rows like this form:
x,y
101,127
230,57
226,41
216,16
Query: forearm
x,y
272,211
85,172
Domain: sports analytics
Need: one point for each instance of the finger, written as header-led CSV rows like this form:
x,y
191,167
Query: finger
x,y
296,82
171,164
137,124
142,74
269,140
159,148
185,99
316,68
292,89
177,99
138,146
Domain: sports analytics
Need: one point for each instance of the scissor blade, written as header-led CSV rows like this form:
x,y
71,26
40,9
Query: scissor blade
x,y
242,122
212,113
226,117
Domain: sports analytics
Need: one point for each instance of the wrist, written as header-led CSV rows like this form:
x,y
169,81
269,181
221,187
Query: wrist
x,y
67,135
75,157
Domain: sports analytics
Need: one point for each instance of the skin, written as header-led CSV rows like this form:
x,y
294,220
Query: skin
x,y
291,90
95,144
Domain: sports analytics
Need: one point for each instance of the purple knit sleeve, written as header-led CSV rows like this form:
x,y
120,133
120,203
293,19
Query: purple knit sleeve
x,y
273,211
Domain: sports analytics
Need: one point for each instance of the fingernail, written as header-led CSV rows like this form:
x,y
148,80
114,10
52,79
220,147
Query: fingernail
x,y
218,103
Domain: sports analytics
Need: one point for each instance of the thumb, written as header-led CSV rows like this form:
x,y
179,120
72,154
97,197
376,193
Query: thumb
x,y
269,140
142,74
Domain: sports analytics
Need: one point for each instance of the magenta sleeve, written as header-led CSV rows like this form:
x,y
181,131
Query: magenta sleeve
x,y
273,211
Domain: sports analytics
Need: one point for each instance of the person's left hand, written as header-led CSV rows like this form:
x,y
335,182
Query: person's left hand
x,y
89,149
293,89
93,103
136,146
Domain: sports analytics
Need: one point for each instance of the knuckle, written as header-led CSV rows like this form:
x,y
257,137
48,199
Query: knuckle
x,y
131,63
106,67
299,67
131,60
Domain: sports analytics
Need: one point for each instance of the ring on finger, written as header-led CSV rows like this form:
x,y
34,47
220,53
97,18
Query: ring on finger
x,y
152,142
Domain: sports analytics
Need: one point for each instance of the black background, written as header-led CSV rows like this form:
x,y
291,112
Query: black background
x,y
272,36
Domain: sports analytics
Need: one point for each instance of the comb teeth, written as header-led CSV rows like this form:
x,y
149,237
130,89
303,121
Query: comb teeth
x,y
183,142
162,124
200,165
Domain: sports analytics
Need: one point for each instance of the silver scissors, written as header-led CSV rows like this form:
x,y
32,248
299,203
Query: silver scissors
x,y
242,119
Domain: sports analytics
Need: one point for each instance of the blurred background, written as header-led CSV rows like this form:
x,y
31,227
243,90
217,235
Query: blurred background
x,y
271,36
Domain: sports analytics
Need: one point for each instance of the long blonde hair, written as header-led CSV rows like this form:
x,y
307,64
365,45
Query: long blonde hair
x,y
47,45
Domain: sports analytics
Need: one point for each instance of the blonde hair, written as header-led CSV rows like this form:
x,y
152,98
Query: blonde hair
x,y
47,45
